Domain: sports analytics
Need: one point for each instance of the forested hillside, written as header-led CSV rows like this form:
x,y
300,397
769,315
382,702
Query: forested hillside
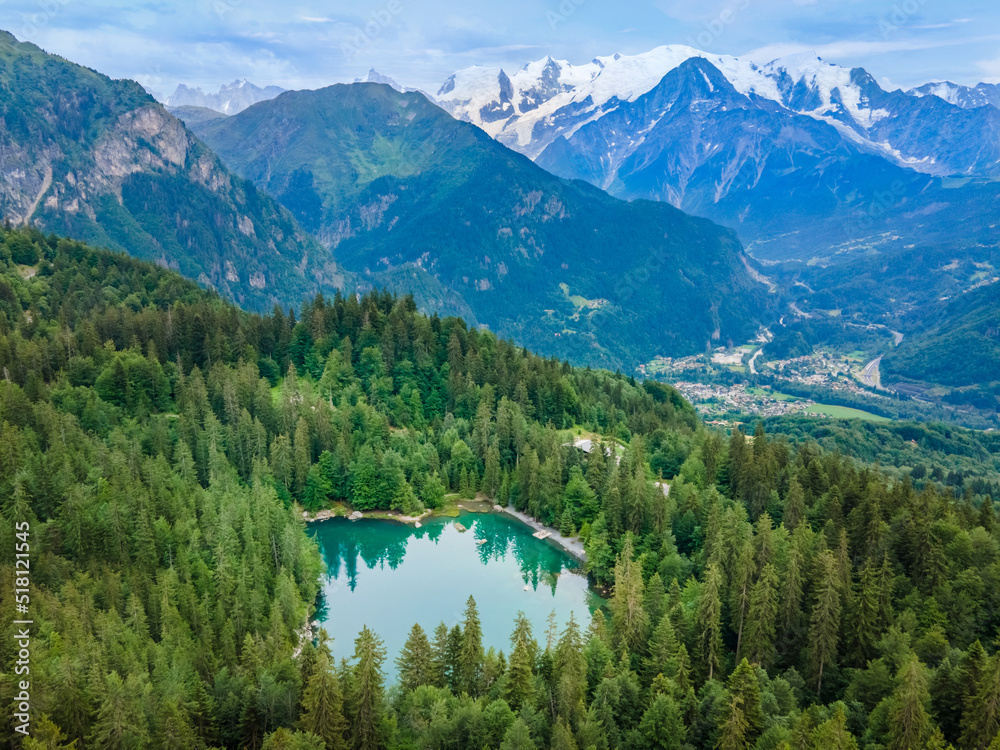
x,y
157,439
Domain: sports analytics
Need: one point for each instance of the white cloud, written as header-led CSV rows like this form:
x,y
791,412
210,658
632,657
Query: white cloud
x,y
847,49
991,70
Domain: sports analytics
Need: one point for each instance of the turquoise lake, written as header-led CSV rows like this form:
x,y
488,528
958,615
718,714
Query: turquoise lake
x,y
389,575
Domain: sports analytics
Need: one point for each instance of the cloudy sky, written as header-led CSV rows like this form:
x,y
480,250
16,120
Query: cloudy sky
x,y
306,44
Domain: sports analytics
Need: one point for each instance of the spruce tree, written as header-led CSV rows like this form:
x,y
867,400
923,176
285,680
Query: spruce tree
x,y
415,661
369,654
762,618
323,705
981,717
910,724
709,621
470,663
824,625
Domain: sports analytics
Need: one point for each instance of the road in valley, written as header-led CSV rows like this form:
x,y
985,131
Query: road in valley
x,y
870,375
753,369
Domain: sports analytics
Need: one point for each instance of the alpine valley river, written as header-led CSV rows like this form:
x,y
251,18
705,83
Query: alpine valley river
x,y
389,575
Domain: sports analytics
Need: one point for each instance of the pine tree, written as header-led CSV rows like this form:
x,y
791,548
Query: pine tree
x,y
795,505
492,475
471,654
45,735
662,727
762,618
566,527
629,622
323,705
369,654
833,734
744,693
741,580
518,737
824,626
709,621
562,736
981,716
415,661
519,686
121,722
987,517
910,724
570,669
866,622
439,656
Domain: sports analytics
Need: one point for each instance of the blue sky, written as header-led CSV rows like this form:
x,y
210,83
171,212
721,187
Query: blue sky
x,y
307,44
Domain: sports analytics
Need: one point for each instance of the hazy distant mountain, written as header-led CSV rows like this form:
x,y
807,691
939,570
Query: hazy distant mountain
x,y
408,195
100,160
967,97
229,100
375,77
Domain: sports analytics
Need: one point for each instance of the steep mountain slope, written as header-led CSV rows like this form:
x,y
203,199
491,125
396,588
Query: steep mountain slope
x,y
398,186
229,100
100,160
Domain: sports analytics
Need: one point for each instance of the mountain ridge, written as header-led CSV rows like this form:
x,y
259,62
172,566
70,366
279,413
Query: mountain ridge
x,y
100,160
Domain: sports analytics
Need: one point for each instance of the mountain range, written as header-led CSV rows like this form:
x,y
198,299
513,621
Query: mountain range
x,y
405,194
229,100
801,157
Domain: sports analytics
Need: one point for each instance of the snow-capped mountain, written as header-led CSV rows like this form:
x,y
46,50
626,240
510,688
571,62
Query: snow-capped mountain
x,y
799,156
966,97
927,134
550,98
229,100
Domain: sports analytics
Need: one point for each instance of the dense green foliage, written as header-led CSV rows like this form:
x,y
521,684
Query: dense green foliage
x,y
124,173
958,346
952,456
155,437
396,184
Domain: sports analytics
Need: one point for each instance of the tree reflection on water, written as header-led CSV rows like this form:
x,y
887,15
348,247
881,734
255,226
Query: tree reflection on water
x,y
380,545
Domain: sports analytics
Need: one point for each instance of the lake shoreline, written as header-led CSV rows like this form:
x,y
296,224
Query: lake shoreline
x,y
573,546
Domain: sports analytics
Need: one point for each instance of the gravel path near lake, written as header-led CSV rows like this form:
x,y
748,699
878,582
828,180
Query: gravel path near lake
x,y
573,546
